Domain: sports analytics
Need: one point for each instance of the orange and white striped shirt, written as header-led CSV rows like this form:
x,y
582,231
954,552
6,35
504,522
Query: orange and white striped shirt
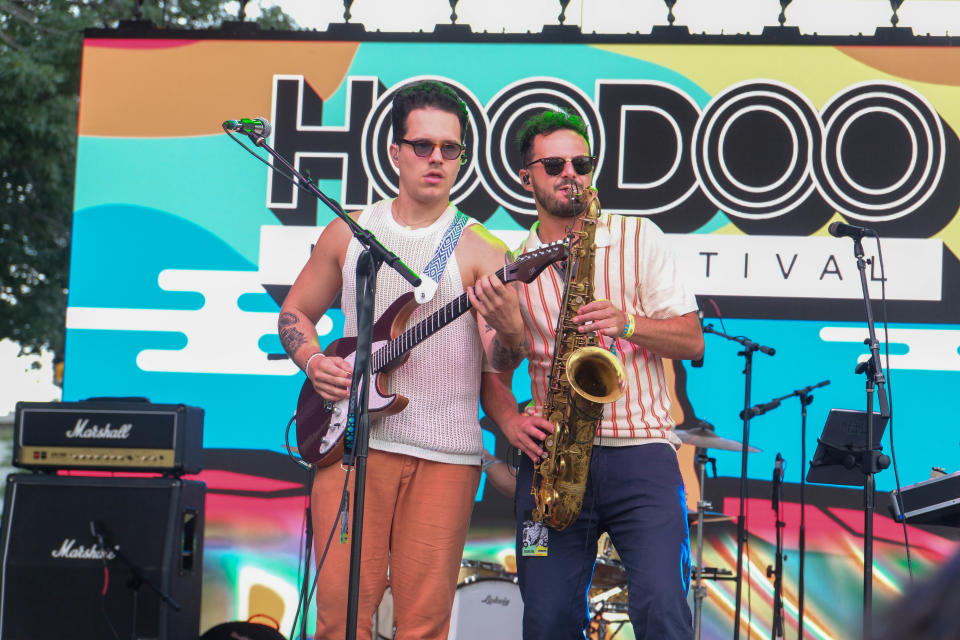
x,y
636,269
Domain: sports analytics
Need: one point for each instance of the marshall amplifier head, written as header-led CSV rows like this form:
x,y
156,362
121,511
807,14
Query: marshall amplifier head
x,y
108,435
71,548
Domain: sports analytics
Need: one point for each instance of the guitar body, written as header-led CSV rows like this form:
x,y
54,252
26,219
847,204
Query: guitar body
x,y
320,423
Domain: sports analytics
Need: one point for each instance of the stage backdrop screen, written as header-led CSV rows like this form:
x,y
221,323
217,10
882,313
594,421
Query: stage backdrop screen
x,y
184,244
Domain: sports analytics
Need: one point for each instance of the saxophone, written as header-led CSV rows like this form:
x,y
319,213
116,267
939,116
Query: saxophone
x,y
583,377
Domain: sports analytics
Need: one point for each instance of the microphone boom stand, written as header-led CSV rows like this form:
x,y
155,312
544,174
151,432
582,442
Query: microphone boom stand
x,y
805,399
699,591
137,578
777,569
749,348
371,258
875,379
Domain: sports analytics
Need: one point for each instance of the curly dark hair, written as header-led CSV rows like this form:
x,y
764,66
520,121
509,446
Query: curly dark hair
x,y
547,121
423,94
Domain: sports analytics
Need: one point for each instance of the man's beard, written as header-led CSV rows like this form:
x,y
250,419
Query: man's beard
x,y
561,206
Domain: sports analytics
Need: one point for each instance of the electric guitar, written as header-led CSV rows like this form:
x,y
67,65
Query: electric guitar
x,y
321,423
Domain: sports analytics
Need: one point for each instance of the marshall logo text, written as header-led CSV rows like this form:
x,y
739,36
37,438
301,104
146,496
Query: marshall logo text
x,y
70,551
83,429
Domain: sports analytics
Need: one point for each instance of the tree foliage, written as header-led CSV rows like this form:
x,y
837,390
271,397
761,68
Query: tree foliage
x,y
40,51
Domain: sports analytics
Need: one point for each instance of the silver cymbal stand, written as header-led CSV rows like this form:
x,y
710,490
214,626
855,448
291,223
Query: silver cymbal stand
x,y
699,591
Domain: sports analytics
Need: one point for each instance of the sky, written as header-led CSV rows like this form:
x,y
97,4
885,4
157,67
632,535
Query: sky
x,y
21,381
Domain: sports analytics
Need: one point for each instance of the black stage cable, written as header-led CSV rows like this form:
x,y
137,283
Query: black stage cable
x,y
344,498
103,601
261,159
300,562
302,463
716,308
747,564
106,580
893,457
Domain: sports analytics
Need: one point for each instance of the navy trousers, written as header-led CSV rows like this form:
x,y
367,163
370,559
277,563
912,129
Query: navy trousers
x,y
636,495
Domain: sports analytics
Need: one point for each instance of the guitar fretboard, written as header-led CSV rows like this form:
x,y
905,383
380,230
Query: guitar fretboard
x,y
416,334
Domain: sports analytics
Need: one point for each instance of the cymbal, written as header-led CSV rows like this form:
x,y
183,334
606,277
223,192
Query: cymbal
x,y
608,573
706,438
709,516
605,548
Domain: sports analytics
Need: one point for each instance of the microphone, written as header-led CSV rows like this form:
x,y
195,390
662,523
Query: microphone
x,y
99,531
759,409
256,126
699,363
841,230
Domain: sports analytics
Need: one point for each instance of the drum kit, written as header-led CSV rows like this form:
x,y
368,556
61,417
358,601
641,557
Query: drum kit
x,y
487,602
486,605
703,437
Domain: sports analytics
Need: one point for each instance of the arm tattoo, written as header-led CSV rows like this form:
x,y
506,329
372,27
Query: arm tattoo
x,y
290,337
507,358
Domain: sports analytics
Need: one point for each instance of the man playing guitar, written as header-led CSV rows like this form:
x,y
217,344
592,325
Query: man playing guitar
x,y
424,462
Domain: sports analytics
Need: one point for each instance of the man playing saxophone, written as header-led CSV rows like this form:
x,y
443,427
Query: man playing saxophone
x,y
642,312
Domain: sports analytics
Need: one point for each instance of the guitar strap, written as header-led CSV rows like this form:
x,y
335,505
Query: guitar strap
x,y
430,278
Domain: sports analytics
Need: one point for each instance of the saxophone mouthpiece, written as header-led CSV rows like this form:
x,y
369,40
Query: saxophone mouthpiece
x,y
575,193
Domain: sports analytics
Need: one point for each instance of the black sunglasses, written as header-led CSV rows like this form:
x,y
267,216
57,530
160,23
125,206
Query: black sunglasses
x,y
554,165
423,148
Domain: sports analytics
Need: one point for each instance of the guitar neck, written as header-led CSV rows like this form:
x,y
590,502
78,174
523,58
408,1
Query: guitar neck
x,y
416,334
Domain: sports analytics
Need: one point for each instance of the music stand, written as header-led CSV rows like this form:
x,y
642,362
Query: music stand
x,y
841,447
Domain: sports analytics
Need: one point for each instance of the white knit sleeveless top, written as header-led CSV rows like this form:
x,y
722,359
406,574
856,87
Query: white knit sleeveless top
x,y
441,377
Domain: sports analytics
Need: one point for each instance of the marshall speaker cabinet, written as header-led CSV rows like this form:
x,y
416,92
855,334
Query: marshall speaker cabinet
x,y
81,555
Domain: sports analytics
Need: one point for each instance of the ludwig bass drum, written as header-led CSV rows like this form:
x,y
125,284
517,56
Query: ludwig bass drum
x,y
487,608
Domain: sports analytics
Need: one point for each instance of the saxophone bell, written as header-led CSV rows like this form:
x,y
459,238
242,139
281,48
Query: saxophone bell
x,y
596,374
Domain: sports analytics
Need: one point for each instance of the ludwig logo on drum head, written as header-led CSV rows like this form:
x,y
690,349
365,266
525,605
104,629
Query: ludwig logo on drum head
x,y
496,600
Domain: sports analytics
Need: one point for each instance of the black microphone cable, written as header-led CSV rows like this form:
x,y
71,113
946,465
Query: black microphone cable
x,y
95,530
344,499
279,170
893,456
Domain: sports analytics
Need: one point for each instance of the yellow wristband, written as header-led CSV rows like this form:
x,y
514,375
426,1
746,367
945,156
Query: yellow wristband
x,y
628,328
